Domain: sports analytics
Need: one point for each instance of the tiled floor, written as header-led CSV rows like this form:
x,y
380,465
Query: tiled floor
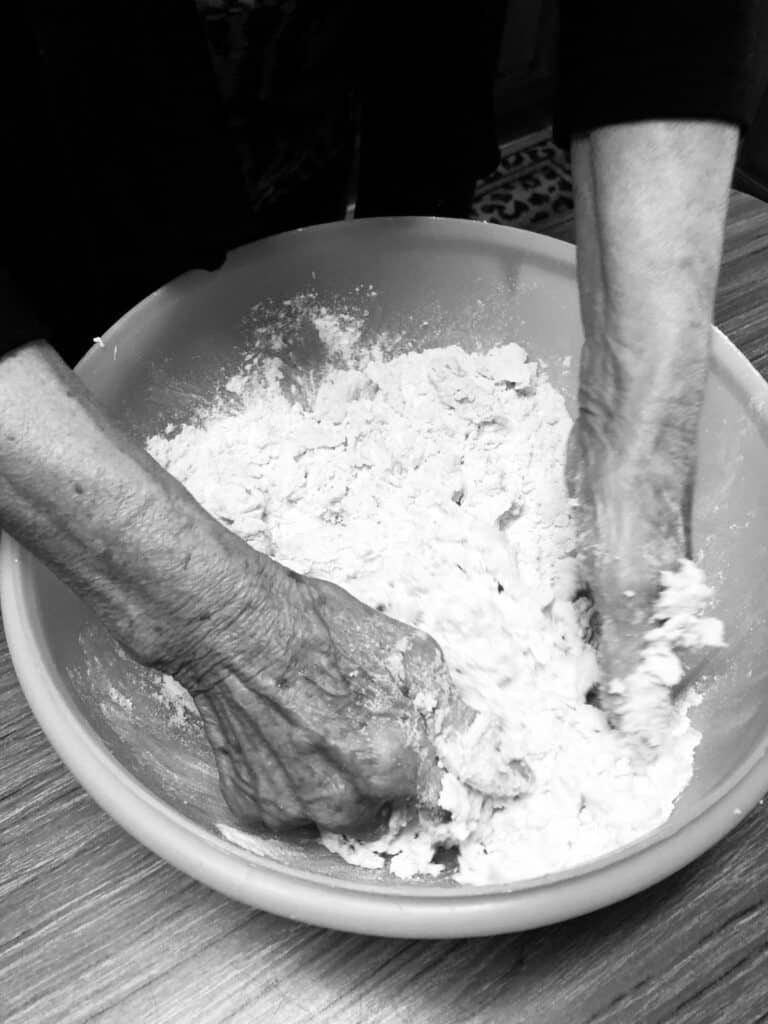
x,y
530,189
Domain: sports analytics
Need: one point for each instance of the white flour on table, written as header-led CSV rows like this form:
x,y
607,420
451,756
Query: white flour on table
x,y
431,485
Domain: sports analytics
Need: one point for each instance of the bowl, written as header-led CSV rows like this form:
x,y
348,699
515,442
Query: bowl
x,y
439,282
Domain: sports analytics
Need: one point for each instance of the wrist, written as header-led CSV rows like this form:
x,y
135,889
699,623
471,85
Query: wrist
x,y
641,389
217,587
162,575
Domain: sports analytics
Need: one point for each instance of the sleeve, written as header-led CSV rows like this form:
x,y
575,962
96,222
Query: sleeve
x,y
639,60
118,173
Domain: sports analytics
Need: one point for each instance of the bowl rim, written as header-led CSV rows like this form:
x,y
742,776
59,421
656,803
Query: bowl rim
x,y
400,910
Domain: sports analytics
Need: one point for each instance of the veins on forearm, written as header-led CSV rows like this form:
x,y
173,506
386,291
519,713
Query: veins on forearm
x,y
640,393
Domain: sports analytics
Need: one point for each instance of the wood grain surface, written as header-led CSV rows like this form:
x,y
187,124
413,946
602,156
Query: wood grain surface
x,y
93,927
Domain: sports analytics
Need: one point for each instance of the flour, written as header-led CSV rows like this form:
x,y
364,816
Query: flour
x,y
176,699
120,699
640,703
431,486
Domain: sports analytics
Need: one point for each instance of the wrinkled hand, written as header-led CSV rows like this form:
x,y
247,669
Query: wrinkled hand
x,y
311,714
633,519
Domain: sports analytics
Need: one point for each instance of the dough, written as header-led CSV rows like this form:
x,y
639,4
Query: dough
x,y
431,485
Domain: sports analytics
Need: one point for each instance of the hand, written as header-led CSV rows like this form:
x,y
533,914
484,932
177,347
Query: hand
x,y
634,522
313,712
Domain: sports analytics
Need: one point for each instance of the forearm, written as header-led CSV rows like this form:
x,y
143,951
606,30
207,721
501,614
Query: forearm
x,y
114,526
650,212
651,200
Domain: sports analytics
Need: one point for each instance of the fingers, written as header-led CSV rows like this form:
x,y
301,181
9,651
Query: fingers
x,y
253,780
342,724
621,646
287,768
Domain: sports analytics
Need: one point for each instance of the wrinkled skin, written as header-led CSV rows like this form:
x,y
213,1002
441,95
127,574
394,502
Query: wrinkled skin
x,y
306,694
321,728
633,523
650,201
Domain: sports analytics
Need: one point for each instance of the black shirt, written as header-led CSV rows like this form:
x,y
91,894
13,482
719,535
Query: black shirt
x,y
659,59
119,172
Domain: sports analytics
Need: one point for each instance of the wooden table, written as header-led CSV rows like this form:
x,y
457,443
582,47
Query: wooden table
x,y
93,927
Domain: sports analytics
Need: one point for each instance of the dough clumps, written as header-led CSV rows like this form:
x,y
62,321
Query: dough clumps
x,y
431,486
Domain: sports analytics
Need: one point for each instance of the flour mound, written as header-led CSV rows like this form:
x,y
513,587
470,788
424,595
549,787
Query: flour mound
x,y
431,486
640,703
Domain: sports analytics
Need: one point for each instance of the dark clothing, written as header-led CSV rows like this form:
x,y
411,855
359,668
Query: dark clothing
x,y
685,59
120,170
117,171
427,128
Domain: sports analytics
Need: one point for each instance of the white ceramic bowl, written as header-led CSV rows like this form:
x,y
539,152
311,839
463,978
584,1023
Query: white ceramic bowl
x,y
440,282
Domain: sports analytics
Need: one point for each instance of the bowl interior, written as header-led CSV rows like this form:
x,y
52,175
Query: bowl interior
x,y
434,283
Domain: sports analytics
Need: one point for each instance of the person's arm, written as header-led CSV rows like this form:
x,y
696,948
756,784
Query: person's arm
x,y
307,695
650,203
114,526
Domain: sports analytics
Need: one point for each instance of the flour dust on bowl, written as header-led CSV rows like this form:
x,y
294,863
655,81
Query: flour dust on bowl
x,y
400,288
